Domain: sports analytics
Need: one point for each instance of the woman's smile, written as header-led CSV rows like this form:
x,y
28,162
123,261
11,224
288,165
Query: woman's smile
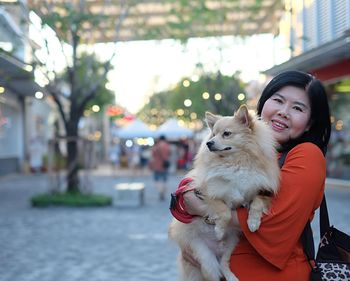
x,y
278,125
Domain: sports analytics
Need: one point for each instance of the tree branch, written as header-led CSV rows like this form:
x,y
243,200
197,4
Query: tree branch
x,y
92,92
57,100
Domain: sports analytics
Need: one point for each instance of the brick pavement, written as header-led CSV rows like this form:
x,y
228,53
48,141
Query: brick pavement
x,y
97,244
90,244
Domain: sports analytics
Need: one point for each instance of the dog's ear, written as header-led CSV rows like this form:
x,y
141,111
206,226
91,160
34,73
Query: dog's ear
x,y
244,117
210,118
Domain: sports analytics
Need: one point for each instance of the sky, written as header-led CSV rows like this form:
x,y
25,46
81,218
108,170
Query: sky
x,y
144,67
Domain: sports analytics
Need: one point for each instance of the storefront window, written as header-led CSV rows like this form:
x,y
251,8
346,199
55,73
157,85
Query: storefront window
x,y
338,156
9,135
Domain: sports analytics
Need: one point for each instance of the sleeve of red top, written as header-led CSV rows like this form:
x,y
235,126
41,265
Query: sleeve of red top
x,y
301,189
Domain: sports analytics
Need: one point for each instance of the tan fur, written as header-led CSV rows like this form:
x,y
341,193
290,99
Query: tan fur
x,y
240,163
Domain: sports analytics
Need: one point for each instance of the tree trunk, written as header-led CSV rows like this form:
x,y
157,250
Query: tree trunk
x,y
73,183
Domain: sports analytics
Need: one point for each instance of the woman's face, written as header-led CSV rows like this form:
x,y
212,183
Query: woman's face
x,y
288,113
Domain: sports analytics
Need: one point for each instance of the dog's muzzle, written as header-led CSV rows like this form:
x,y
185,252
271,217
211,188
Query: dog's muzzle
x,y
211,146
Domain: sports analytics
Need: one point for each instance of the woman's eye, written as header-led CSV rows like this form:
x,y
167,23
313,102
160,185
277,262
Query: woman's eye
x,y
278,100
298,108
227,134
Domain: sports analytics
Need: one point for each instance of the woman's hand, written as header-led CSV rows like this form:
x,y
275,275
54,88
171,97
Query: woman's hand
x,y
194,205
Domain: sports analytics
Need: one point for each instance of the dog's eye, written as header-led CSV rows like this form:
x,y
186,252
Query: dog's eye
x,y
227,134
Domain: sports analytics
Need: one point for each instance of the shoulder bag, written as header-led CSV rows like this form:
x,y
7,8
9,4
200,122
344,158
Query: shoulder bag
x,y
332,261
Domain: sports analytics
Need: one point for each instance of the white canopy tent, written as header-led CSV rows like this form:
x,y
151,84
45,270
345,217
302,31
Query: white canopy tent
x,y
136,129
172,130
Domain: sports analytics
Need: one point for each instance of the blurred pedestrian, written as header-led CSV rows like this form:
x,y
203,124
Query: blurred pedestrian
x,y
36,154
159,164
114,156
145,156
134,158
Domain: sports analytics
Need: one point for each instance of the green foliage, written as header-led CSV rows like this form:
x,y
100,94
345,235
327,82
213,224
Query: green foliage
x,y
85,73
71,199
165,104
71,20
89,70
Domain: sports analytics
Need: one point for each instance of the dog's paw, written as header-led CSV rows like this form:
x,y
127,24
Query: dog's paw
x,y
212,272
231,278
253,224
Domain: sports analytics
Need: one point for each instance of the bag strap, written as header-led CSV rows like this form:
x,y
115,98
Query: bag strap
x,y
282,158
307,240
307,237
324,218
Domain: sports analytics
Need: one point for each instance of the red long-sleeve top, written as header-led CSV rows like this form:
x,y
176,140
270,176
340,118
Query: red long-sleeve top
x,y
274,252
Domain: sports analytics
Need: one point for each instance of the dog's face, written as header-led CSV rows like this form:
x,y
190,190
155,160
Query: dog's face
x,y
228,133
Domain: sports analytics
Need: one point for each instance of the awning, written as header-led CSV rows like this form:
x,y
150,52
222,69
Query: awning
x,y
135,129
171,130
16,78
317,58
154,19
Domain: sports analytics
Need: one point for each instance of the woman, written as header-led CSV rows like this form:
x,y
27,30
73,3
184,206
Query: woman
x,y
295,106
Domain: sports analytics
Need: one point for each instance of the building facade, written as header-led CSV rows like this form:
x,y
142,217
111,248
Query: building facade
x,y
318,35
23,117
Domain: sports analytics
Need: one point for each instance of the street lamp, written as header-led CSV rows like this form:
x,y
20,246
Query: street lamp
x,y
39,95
95,108
205,95
187,102
217,96
180,112
241,96
186,83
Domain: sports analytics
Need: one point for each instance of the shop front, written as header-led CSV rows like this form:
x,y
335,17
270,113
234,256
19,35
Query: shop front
x,y
17,86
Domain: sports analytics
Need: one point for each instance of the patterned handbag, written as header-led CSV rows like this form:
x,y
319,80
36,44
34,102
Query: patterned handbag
x,y
333,256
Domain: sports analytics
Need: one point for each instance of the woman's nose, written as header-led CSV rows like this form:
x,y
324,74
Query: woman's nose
x,y
283,112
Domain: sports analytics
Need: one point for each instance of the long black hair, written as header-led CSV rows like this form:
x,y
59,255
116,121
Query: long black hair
x,y
320,130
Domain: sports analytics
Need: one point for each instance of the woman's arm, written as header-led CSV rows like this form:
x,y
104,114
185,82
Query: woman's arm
x,y
301,190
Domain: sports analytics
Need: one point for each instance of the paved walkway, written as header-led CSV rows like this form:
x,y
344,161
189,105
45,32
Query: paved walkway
x,y
97,244
90,244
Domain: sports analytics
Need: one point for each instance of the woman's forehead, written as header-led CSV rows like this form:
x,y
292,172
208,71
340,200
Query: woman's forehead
x,y
294,94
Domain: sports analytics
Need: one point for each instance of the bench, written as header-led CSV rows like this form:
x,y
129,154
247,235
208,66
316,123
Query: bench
x,y
130,194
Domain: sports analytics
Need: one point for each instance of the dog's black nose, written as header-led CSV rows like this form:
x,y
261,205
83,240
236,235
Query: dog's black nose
x,y
210,144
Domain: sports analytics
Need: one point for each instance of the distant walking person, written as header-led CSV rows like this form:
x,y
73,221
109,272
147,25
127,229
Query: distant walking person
x,y
159,164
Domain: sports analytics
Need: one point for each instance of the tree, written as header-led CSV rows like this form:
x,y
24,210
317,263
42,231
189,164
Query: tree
x,y
81,81
79,24
171,102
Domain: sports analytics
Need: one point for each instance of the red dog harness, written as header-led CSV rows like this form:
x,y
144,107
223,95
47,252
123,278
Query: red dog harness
x,y
177,206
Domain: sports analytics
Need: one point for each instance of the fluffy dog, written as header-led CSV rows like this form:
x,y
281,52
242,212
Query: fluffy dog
x,y
234,166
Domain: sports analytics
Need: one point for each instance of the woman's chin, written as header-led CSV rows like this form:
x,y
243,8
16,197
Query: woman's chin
x,y
280,138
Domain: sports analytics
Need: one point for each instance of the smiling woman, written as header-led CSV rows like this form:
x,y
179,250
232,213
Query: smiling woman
x,y
297,109
295,106
288,113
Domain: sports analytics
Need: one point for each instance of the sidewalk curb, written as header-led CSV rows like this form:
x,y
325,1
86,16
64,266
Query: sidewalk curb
x,y
337,183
